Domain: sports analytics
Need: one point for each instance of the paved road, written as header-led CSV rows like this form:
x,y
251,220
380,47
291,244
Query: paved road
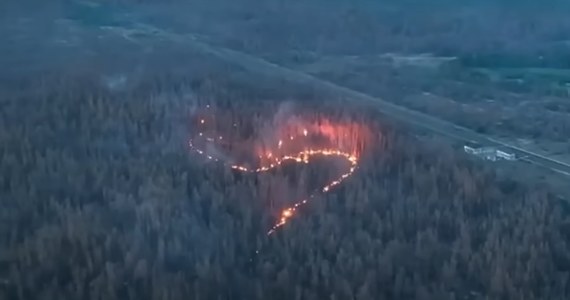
x,y
392,110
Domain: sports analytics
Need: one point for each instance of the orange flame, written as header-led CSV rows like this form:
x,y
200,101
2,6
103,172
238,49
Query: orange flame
x,y
343,140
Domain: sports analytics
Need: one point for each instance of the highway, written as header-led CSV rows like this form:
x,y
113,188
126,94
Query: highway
x,y
392,110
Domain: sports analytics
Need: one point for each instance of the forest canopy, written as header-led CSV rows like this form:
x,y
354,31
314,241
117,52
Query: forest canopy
x,y
103,199
141,158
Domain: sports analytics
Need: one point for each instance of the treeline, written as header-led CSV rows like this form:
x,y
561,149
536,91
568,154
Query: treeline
x,y
101,199
481,33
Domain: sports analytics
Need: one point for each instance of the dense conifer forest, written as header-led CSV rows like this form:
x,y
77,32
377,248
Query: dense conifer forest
x,y
104,195
102,199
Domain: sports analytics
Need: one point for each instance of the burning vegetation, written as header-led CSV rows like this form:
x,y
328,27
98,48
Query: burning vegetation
x,y
108,196
294,139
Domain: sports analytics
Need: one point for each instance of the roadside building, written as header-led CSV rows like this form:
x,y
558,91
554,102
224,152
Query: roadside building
x,y
489,153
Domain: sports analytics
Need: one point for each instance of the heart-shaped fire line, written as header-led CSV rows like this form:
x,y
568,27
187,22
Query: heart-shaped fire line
x,y
271,161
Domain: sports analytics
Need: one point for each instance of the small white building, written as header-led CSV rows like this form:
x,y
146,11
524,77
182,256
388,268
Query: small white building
x,y
489,153
505,155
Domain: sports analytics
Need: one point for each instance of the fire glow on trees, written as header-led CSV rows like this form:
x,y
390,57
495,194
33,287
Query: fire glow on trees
x,y
291,140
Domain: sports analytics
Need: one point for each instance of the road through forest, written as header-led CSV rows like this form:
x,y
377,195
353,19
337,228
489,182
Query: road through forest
x,y
389,109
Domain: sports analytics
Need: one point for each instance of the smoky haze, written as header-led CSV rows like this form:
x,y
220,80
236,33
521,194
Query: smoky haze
x,y
284,149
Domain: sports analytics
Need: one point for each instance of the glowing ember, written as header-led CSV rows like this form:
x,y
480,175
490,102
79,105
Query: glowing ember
x,y
336,134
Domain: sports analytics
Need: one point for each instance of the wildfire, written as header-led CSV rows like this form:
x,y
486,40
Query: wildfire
x,y
286,152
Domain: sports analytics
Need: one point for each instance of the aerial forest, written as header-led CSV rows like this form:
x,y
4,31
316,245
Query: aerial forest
x,y
103,198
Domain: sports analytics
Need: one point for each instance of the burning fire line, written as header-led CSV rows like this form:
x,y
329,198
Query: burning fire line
x,y
301,157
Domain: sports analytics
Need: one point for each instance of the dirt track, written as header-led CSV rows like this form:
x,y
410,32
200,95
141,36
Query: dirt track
x,y
391,110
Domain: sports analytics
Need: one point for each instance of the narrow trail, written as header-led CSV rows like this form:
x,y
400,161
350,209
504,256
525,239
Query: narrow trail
x,y
394,111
